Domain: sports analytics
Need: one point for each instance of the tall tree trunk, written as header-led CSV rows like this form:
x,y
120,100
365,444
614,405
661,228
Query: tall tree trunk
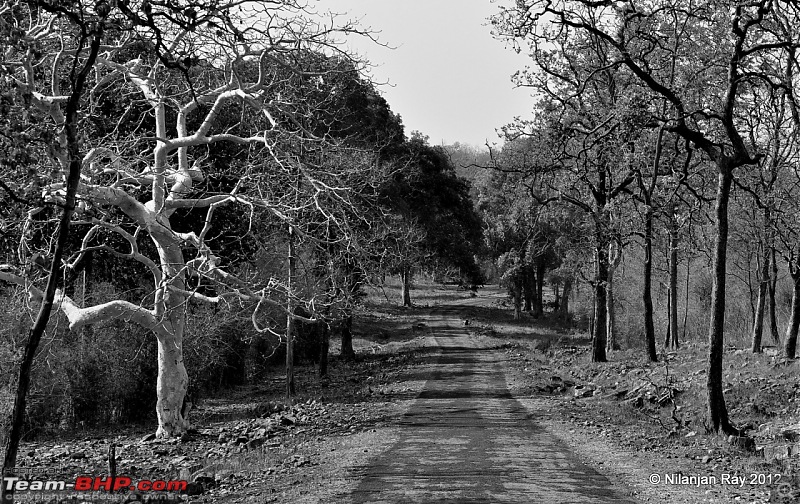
x,y
563,303
647,289
405,285
348,353
717,410
686,293
528,287
601,279
323,348
773,282
72,143
611,322
790,345
763,286
556,296
790,341
173,380
601,243
668,334
516,297
615,256
775,162
647,295
538,299
673,280
290,322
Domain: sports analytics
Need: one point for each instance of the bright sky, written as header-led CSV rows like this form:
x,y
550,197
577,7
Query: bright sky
x,y
447,76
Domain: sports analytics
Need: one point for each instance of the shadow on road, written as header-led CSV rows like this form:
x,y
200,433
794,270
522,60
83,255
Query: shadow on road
x,y
467,439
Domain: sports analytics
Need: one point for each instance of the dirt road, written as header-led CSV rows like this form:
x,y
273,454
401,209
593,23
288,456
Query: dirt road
x,y
467,439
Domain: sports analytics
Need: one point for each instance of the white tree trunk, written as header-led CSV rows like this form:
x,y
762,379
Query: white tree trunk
x,y
615,256
171,386
563,305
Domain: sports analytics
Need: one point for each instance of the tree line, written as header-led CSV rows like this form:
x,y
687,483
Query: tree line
x,y
655,121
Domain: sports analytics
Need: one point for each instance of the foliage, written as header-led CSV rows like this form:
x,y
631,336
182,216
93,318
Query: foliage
x,y
428,195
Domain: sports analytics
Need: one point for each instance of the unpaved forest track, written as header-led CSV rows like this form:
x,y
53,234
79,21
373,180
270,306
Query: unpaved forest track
x,y
467,439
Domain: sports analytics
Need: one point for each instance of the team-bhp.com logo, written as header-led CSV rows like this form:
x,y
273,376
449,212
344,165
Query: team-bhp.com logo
x,y
94,484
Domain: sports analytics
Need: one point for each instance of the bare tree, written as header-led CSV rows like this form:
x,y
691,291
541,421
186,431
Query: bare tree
x,y
63,107
715,46
586,118
179,73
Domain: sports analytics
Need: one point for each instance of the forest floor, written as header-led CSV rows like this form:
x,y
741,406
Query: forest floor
x,y
640,424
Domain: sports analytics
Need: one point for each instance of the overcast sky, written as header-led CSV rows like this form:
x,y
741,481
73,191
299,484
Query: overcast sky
x,y
447,76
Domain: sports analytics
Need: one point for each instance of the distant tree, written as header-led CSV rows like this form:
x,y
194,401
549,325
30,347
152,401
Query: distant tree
x,y
440,227
520,233
508,218
582,150
773,134
470,163
783,198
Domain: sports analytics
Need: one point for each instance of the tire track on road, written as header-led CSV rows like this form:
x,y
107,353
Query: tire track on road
x,y
466,439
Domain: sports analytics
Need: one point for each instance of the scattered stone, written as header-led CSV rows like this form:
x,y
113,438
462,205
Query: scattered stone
x,y
780,452
204,476
222,475
619,394
299,461
743,442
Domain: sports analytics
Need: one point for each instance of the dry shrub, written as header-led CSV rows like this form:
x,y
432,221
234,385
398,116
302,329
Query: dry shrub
x,y
14,324
106,374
